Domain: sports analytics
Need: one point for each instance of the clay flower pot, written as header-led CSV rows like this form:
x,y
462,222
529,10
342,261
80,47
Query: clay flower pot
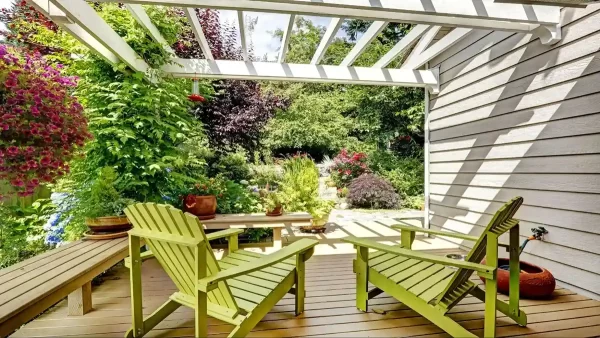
x,y
108,224
108,227
534,281
203,207
277,211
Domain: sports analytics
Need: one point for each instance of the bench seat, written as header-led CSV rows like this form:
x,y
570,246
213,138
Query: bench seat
x,y
34,285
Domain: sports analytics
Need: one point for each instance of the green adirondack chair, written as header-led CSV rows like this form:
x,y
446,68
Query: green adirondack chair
x,y
239,289
425,283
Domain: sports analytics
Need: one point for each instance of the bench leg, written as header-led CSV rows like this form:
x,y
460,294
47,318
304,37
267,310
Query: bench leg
x,y
277,238
80,300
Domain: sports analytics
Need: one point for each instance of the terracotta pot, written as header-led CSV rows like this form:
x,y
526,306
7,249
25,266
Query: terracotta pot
x,y
534,281
203,207
277,211
108,224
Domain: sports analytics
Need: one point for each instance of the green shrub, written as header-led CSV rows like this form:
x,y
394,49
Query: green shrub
x,y
300,184
406,174
102,198
22,231
263,174
373,192
233,166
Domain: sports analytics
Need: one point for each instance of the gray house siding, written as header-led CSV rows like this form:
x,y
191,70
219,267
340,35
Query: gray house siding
x,y
515,117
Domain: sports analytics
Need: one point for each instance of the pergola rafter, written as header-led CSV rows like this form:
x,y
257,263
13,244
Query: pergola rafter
x,y
285,40
140,15
80,19
330,33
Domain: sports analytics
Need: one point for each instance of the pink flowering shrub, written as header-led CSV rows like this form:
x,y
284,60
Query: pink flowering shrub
x,y
347,167
41,124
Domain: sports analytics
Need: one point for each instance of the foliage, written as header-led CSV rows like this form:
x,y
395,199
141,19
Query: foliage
x,y
237,114
42,125
265,174
21,231
371,191
313,123
405,174
233,166
342,192
414,202
273,199
300,186
347,167
101,198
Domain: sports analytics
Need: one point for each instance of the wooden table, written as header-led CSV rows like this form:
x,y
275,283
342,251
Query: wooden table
x,y
246,221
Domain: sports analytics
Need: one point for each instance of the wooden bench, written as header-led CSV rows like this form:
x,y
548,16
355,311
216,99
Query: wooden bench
x,y
236,221
32,286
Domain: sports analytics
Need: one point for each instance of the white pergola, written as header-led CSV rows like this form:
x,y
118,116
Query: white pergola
x,y
79,19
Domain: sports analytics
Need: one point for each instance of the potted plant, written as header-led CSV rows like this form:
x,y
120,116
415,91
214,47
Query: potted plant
x,y
202,199
273,201
320,213
103,208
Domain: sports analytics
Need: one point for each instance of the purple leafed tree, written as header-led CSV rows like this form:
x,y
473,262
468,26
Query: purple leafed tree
x,y
237,113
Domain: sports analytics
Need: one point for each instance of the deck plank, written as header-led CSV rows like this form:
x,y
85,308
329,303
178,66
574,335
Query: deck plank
x,y
330,311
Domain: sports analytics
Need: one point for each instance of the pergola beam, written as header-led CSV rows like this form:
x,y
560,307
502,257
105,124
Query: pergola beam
x,y
140,15
403,45
61,19
332,29
240,70
87,18
285,40
362,44
190,13
240,15
483,14
451,38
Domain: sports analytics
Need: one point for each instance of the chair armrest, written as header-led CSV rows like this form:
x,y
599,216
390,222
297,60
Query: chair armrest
x,y
224,233
482,268
209,283
436,232
143,256
442,233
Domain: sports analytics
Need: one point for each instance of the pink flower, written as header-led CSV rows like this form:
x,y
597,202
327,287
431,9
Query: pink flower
x,y
17,182
12,150
45,161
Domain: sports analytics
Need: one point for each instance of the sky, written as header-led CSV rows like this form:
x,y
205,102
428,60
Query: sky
x,y
261,38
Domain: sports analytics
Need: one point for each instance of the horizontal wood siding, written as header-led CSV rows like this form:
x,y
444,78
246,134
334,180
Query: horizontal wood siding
x,y
515,117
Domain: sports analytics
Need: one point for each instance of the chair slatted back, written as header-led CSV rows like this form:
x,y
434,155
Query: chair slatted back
x,y
178,261
501,222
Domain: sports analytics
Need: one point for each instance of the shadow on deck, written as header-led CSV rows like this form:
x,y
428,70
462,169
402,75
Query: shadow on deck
x,y
330,311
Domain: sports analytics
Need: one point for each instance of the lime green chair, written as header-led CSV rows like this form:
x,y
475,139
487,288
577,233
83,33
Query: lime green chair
x,y
427,284
239,289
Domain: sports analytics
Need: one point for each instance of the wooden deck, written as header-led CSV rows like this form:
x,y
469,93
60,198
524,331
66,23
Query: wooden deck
x,y
330,311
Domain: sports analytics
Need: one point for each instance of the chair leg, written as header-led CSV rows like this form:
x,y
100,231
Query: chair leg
x,y
135,281
201,315
362,278
300,280
491,293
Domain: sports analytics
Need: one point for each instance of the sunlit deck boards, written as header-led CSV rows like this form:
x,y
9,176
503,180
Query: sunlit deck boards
x,y
330,311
